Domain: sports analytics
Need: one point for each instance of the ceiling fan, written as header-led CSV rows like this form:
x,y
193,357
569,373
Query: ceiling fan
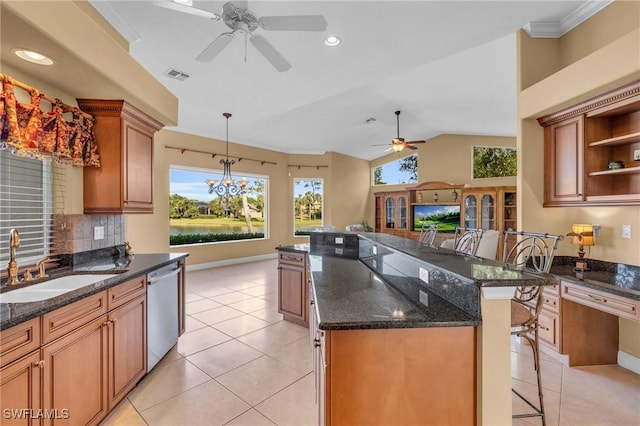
x,y
242,21
398,143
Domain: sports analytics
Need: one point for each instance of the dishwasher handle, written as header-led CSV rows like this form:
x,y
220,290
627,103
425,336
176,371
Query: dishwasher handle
x,y
153,279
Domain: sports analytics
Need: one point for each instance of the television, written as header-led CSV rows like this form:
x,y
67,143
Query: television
x,y
446,216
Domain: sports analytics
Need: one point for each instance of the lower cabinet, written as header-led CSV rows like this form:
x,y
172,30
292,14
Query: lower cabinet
x,y
77,377
20,390
377,377
293,293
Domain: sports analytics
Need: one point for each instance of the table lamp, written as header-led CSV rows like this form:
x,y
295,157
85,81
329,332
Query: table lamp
x,y
582,236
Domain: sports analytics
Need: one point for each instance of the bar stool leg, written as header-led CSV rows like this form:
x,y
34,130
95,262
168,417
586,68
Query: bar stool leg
x,y
535,349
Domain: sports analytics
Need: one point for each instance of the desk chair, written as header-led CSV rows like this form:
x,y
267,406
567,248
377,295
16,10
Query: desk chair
x,y
467,240
428,235
533,252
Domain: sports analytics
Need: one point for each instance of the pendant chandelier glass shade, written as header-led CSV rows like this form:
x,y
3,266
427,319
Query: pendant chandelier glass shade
x,y
226,186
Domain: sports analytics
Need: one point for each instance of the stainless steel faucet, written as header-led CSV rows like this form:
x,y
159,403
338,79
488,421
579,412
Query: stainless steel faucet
x,y
12,267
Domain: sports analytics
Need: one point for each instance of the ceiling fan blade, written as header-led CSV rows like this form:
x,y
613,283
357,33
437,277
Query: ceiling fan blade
x,y
216,46
410,146
293,23
187,9
415,142
270,53
381,144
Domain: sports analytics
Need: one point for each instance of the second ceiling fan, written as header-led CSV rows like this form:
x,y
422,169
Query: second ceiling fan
x,y
398,143
240,19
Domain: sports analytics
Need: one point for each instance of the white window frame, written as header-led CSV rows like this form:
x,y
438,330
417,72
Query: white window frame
x,y
293,202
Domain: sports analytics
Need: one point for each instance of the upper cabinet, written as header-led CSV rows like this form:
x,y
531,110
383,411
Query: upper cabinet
x,y
592,151
124,182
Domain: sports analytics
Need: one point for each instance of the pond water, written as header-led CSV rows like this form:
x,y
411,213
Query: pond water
x,y
189,229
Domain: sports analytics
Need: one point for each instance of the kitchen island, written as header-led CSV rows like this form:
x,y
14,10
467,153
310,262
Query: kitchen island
x,y
405,334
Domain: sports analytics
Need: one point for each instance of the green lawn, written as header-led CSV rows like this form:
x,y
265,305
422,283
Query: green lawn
x,y
306,223
214,221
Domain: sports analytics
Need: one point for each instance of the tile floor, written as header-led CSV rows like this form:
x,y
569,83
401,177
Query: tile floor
x,y
239,364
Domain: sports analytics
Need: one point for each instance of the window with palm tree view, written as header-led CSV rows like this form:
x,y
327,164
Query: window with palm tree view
x,y
307,204
197,216
403,170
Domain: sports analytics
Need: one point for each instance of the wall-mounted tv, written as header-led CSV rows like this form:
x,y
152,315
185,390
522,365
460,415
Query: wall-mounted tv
x,y
446,216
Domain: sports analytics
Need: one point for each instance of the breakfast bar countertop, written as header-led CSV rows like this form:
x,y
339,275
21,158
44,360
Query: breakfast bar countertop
x,y
377,283
124,268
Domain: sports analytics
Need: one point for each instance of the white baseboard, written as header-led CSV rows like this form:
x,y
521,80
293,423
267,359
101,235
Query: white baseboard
x,y
629,362
228,262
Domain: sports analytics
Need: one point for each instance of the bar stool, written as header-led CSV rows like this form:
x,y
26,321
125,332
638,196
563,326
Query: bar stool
x,y
532,252
428,235
467,240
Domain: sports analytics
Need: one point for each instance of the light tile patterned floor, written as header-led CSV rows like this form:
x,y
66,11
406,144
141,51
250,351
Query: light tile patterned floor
x,y
240,364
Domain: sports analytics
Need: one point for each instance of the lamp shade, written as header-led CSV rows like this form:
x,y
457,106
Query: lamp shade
x,y
582,234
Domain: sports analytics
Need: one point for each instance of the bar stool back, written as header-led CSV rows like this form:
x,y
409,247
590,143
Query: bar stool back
x,y
428,235
533,252
467,240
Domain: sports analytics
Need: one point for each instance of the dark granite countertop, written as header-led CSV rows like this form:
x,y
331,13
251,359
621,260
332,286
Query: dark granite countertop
x,y
624,281
124,268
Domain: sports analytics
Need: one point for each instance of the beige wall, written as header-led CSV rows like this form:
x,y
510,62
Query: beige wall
x,y
150,233
446,158
597,56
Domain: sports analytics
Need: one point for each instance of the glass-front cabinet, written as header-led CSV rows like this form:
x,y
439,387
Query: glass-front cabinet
x,y
394,214
479,208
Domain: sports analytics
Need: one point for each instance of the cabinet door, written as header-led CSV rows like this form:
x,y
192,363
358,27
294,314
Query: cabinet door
x,y
138,180
389,213
127,327
402,213
564,162
470,211
292,302
75,375
20,390
488,212
379,218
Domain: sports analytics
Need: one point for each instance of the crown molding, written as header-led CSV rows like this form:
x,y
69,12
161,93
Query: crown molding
x,y
569,22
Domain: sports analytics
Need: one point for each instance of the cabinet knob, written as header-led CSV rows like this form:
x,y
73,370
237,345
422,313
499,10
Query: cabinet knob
x,y
316,343
39,364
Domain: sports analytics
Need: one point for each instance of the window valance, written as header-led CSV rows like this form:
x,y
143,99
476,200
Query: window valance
x,y
26,130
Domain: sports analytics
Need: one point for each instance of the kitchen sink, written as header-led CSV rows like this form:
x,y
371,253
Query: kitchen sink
x,y
51,288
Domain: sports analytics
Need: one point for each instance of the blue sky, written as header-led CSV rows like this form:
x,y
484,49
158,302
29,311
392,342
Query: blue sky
x,y
191,184
391,175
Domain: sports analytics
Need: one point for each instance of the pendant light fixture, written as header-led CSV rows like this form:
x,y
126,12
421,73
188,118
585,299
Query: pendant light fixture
x,y
226,186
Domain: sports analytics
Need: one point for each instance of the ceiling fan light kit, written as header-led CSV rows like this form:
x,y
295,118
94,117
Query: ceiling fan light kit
x,y
241,20
398,143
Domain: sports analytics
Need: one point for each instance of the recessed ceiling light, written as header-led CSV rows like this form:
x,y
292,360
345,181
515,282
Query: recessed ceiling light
x,y
332,41
185,2
32,56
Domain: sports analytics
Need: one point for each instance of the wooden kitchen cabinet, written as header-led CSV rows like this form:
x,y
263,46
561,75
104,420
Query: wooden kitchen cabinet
x,y
581,140
20,390
127,346
94,351
357,370
479,208
293,291
75,374
124,181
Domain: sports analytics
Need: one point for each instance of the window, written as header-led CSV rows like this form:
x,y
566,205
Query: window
x,y
307,204
404,170
489,162
25,205
195,216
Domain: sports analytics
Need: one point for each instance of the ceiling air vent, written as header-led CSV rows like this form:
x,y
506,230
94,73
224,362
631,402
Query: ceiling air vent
x,y
177,74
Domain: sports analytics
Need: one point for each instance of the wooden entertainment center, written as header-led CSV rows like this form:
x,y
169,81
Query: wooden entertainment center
x,y
480,207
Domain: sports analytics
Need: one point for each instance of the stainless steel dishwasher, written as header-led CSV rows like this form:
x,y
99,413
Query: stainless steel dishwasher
x,y
162,312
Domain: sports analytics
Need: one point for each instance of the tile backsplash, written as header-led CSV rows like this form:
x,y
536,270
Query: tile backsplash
x,y
74,233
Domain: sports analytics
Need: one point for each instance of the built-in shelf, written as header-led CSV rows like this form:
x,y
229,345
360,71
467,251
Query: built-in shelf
x,y
619,140
624,171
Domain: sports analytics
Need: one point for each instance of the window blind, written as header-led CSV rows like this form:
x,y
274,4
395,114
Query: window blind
x,y
26,204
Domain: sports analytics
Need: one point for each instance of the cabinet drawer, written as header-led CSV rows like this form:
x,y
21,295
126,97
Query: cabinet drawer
x,y
606,302
548,330
553,290
19,340
70,317
128,290
291,257
551,303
